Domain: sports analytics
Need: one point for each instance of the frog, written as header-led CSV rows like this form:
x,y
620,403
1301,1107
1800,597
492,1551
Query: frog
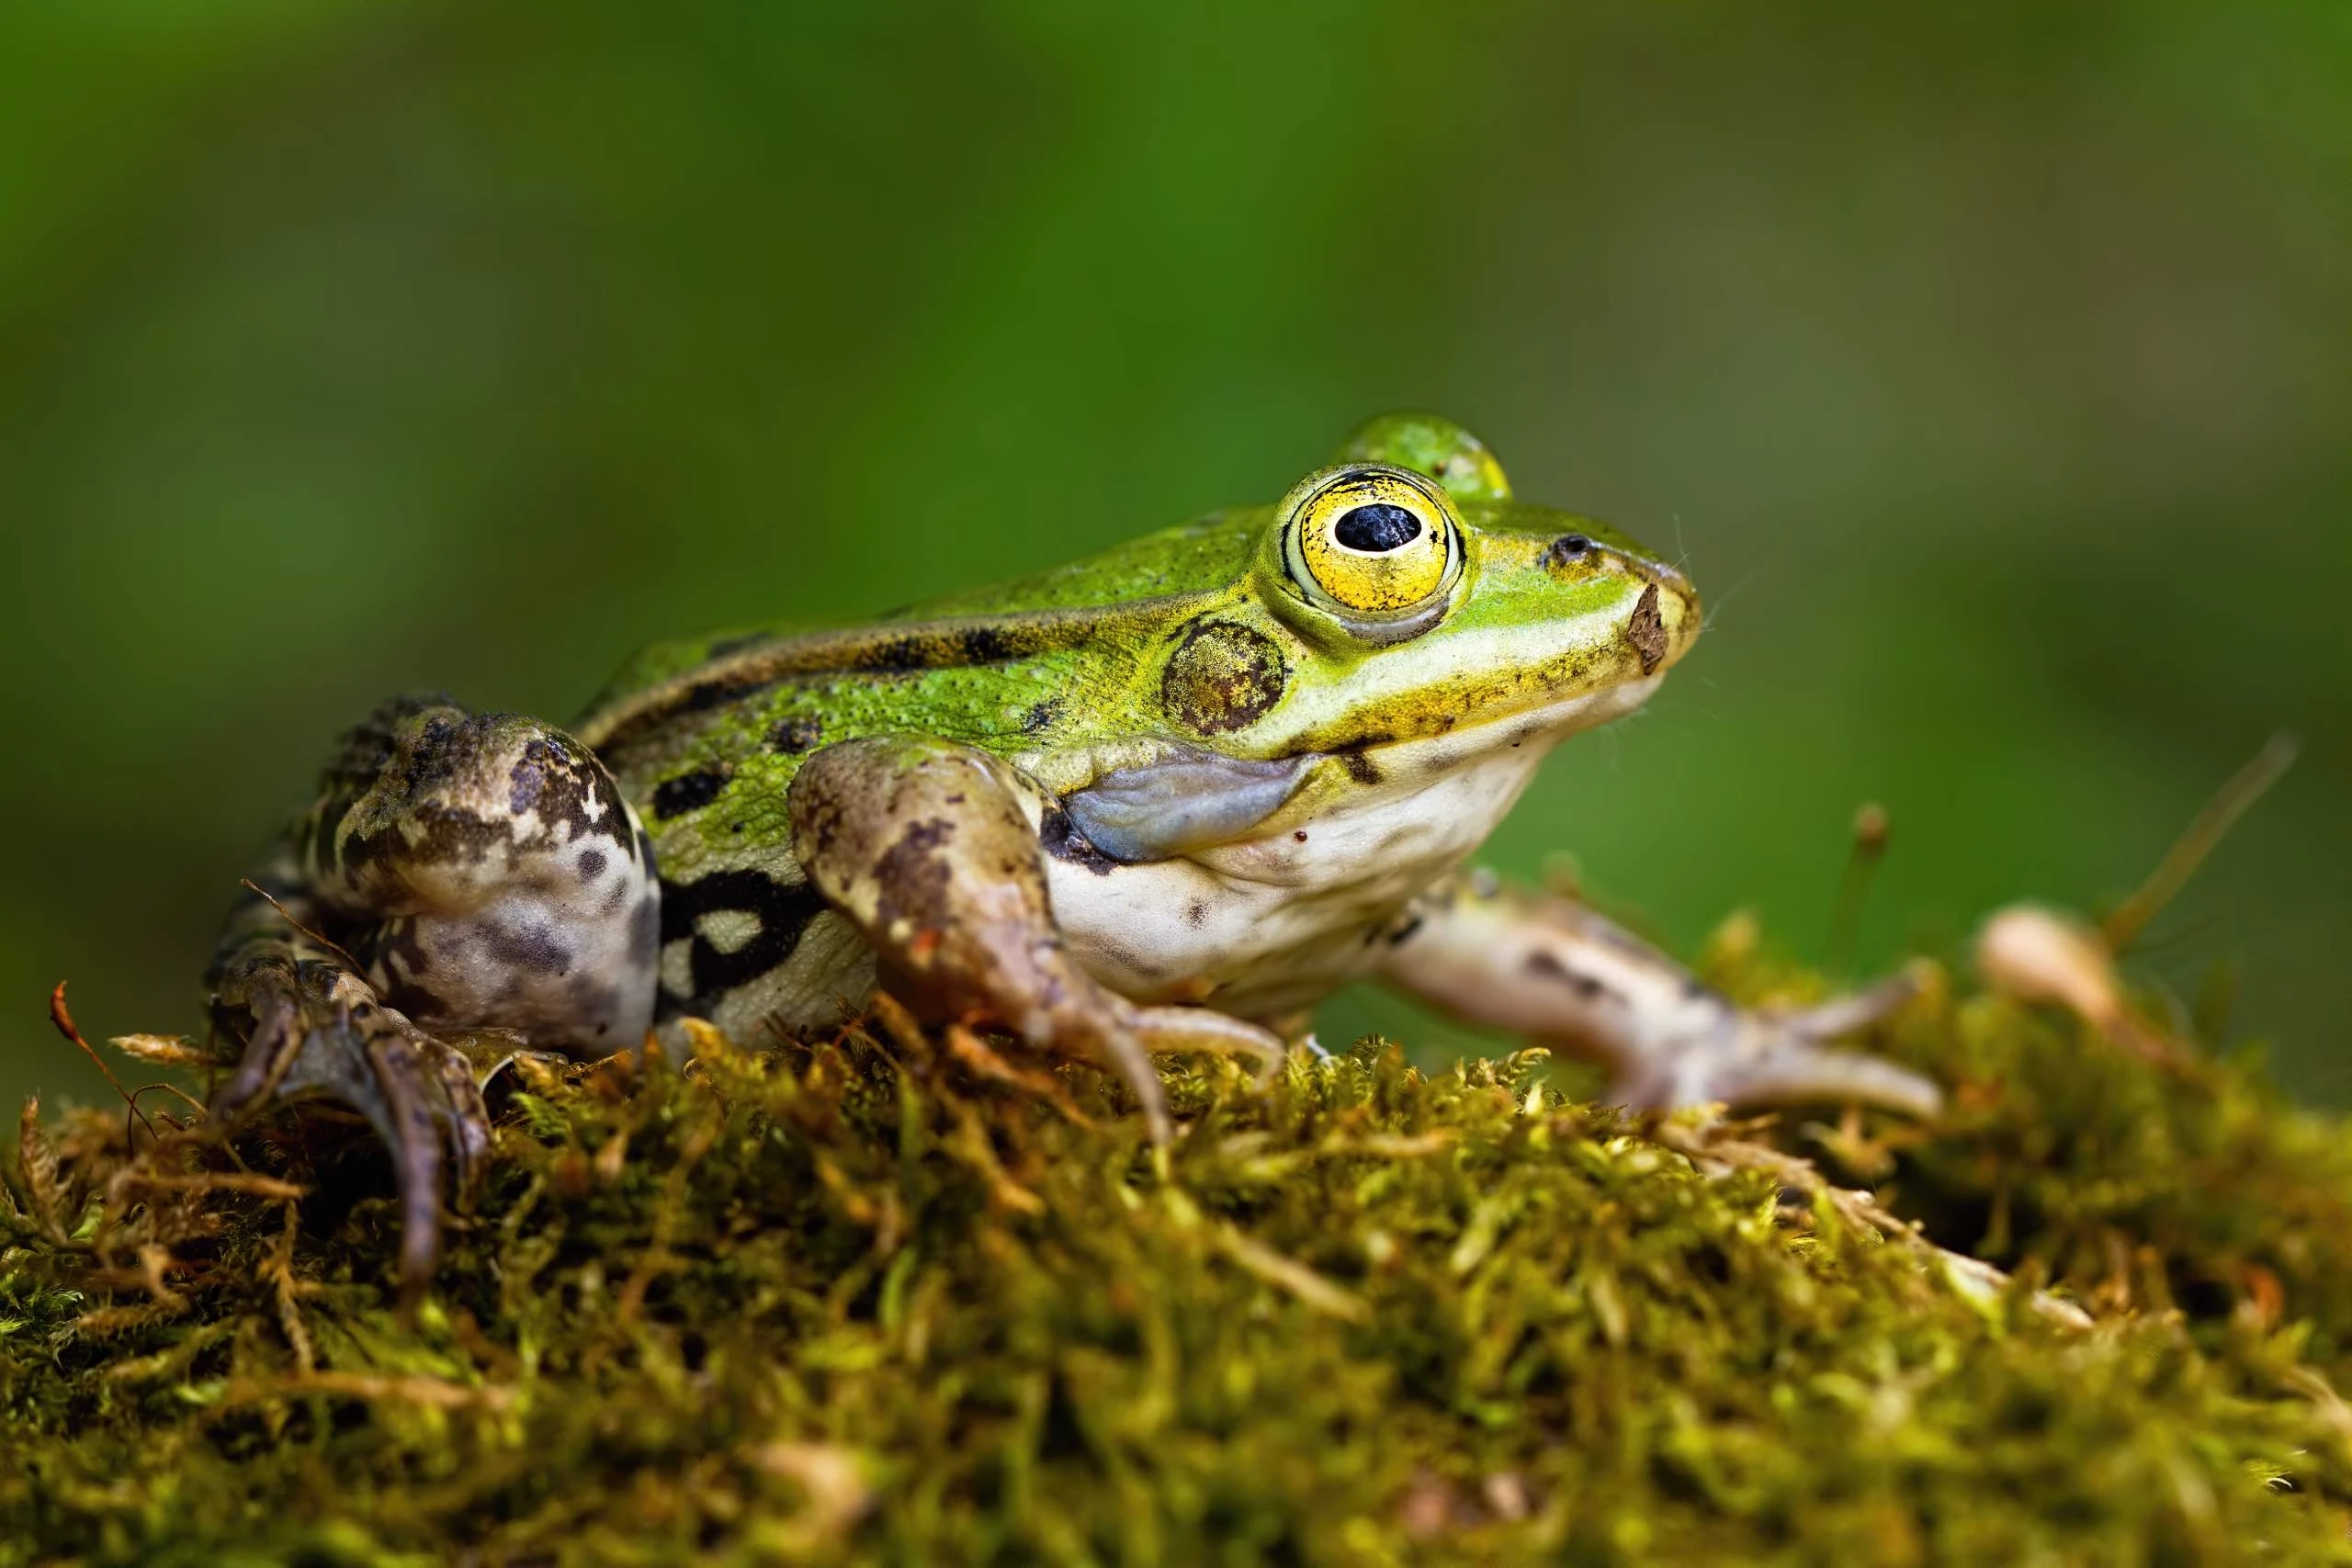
x,y
1159,801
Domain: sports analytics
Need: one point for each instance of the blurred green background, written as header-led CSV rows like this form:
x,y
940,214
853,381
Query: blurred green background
x,y
1992,368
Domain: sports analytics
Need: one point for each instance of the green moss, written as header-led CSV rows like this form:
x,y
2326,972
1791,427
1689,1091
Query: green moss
x,y
849,1300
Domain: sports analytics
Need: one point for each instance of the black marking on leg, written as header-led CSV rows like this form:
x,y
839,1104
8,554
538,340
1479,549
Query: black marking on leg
x,y
400,938
783,912
645,929
688,792
1196,914
1041,716
1061,840
534,947
1359,767
557,778
1399,935
1590,987
589,865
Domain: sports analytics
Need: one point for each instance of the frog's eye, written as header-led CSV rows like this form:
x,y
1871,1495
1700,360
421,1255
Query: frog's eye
x,y
1372,544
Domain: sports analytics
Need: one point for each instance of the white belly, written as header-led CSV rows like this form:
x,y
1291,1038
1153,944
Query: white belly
x,y
1266,925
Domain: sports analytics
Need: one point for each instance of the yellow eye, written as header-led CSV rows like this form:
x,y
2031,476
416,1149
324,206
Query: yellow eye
x,y
1377,543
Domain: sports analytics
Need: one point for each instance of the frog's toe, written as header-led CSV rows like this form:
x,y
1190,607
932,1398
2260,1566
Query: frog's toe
x,y
1132,1036
320,1034
1761,1057
1174,1031
1766,1062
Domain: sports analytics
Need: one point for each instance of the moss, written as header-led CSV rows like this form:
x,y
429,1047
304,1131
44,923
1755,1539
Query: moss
x,y
858,1299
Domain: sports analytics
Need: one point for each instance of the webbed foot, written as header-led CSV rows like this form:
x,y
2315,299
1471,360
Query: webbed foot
x,y
1712,1050
1551,970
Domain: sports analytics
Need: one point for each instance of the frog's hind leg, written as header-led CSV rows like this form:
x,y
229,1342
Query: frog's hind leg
x,y
924,846
1551,970
460,875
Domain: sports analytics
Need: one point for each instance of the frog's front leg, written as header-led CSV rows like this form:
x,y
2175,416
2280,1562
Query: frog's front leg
x,y
1551,970
923,844
459,873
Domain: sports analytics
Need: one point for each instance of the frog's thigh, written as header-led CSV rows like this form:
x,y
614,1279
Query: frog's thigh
x,y
1553,970
491,874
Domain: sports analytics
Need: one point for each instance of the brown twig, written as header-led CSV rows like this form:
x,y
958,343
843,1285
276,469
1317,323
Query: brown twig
x,y
63,1019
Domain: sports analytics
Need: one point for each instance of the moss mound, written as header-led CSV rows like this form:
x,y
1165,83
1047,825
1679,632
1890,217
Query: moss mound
x,y
872,1299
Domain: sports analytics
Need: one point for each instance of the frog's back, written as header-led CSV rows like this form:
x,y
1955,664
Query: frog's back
x,y
1013,668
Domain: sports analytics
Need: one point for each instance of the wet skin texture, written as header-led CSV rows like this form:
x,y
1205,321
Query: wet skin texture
x,y
1162,799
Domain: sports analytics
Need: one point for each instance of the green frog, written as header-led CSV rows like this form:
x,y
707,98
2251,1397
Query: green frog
x,y
1163,799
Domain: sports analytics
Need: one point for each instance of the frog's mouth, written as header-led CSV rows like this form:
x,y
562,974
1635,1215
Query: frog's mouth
x,y
1536,727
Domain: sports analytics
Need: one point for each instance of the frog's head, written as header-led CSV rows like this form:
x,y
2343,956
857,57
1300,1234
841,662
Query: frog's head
x,y
1402,595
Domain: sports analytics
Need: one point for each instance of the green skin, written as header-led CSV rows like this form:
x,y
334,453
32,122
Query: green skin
x,y
1164,798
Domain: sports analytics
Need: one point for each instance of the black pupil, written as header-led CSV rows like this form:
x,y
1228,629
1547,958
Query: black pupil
x,y
1378,527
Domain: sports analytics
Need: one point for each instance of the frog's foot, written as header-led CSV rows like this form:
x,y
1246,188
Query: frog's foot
x,y
315,1030
1754,1056
1551,969
924,846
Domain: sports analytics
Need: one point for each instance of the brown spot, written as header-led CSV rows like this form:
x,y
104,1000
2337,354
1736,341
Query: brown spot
x,y
794,735
913,873
1223,677
1196,914
1646,630
1589,987
1359,767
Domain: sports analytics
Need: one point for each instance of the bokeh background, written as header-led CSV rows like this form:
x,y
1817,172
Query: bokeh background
x,y
1992,368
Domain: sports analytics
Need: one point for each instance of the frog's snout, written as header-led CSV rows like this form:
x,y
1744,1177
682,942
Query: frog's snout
x,y
1678,607
1665,617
